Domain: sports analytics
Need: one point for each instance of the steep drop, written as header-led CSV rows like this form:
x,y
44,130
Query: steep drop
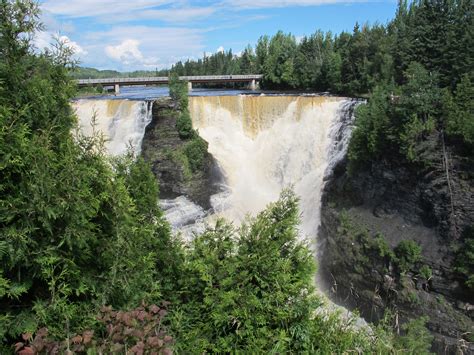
x,y
264,144
122,122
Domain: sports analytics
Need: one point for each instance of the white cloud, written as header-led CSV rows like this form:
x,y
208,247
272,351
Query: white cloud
x,y
136,47
175,15
263,4
94,8
128,53
220,50
45,40
78,50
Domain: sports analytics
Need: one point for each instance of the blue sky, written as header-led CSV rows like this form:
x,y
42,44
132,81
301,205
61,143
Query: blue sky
x,y
128,35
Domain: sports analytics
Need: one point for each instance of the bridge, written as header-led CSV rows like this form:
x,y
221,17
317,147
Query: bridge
x,y
251,79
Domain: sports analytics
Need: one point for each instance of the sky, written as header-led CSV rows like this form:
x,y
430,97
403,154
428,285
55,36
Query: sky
x,y
129,35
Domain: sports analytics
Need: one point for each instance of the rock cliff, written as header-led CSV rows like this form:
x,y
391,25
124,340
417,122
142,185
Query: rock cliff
x,y
365,217
162,148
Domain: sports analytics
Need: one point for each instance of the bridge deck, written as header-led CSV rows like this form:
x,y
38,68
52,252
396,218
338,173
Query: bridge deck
x,y
165,80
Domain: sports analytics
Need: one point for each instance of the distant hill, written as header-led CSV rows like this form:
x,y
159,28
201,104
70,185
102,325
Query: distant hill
x,y
92,73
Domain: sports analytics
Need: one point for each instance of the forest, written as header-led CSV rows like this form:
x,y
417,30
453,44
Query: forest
x,y
88,264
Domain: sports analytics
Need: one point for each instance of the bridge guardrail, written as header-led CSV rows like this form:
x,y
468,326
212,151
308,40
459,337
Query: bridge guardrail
x,y
165,79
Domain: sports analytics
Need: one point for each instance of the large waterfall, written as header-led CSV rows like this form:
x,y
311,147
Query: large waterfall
x,y
262,144
122,122
266,143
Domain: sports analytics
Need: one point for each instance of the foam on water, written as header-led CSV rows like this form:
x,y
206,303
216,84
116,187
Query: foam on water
x,y
265,143
122,122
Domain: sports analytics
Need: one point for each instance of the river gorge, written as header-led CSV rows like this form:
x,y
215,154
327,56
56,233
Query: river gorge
x,y
259,145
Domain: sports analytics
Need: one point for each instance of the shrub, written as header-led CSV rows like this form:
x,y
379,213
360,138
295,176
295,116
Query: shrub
x,y
196,151
408,253
464,263
178,91
417,339
137,331
426,272
184,125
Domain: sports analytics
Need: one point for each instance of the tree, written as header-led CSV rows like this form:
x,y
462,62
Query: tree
x,y
459,111
74,229
279,64
250,289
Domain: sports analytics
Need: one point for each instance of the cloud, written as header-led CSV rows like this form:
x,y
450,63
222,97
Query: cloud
x,y
94,8
265,4
137,34
135,47
175,15
45,40
78,50
220,50
128,53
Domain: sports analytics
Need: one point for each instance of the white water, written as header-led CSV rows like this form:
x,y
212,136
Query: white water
x,y
265,144
262,144
122,122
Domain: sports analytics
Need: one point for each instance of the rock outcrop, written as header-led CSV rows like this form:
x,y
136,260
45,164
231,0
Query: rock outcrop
x,y
365,215
161,147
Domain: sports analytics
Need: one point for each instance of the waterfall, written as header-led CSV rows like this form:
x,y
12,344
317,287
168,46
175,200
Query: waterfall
x,y
122,122
266,143
263,144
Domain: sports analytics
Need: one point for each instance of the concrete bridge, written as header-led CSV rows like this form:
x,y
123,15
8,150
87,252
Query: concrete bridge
x,y
251,79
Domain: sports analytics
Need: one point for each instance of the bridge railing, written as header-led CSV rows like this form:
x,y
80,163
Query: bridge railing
x,y
165,79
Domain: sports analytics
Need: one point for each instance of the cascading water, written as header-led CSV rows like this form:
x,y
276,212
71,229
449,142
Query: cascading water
x,y
263,144
122,122
266,143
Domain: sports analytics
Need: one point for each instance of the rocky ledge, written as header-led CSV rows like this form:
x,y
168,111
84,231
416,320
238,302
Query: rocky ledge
x,y
161,147
365,217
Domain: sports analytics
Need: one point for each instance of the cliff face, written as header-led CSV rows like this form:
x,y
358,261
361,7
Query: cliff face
x,y
364,218
161,147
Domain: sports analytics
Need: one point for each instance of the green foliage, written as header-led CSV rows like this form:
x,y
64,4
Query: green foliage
x,y
373,132
75,227
251,288
139,330
178,90
459,111
367,250
403,67
184,125
464,263
193,155
196,152
79,231
408,253
417,339
426,272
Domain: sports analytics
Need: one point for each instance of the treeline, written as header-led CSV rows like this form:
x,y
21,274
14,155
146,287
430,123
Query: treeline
x,y
421,116
437,34
92,73
88,263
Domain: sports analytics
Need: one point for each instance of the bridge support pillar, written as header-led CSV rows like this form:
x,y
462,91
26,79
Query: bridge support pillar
x,y
253,85
190,86
117,89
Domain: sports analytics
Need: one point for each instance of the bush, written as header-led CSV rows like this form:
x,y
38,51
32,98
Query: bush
x,y
184,125
178,91
426,272
408,253
139,330
417,339
459,110
464,263
196,151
